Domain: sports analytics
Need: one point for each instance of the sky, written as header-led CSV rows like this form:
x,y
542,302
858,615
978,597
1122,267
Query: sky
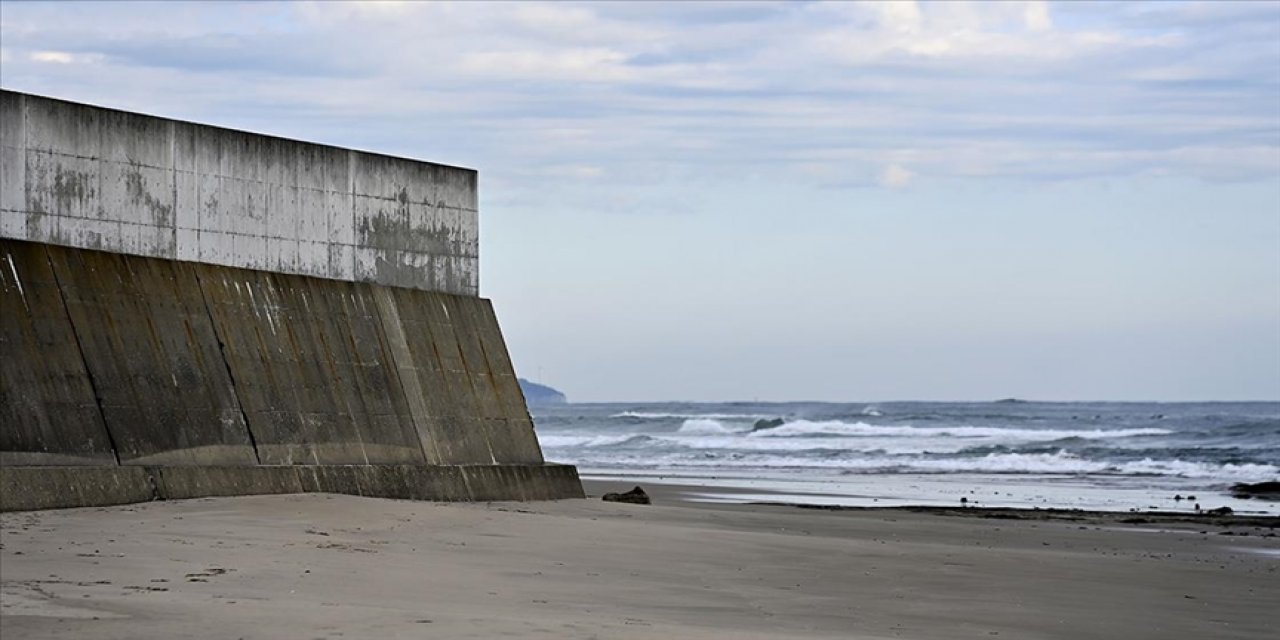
x,y
784,201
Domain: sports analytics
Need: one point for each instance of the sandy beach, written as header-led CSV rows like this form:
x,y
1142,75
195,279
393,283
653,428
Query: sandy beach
x,y
328,566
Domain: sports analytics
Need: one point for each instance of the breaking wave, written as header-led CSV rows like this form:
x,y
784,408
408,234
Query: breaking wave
x,y
556,441
1099,455
707,426
801,428
657,415
1001,464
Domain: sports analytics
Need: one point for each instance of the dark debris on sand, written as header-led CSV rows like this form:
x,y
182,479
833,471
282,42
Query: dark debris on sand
x,y
1213,517
1259,490
634,496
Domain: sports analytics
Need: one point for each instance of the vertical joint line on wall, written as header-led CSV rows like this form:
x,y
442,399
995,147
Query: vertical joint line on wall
x,y
385,338
493,379
351,209
173,177
226,362
26,180
475,396
75,333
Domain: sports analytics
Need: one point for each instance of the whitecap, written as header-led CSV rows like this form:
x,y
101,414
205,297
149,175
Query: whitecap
x,y
705,426
838,428
656,415
558,441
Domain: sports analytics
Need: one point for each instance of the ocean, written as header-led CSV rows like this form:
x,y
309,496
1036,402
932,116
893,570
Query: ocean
x,y
1097,456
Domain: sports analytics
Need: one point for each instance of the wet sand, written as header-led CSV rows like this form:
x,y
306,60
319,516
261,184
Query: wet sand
x,y
323,566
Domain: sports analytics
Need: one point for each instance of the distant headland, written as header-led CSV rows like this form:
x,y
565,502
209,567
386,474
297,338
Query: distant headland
x,y
540,394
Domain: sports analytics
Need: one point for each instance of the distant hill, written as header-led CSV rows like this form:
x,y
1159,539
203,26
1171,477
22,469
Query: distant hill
x,y
536,394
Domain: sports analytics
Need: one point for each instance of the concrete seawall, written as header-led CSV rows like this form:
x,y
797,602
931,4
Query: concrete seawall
x,y
33,488
95,178
258,379
192,311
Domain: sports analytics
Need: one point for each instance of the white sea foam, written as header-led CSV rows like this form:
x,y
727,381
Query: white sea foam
x,y
1180,468
711,438
710,434
559,441
652,415
708,426
1060,463
1056,458
734,441
838,428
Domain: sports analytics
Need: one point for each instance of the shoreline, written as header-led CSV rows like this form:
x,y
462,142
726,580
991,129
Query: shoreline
x,y
936,491
329,566
680,493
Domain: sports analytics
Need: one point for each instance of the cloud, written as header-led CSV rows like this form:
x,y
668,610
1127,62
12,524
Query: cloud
x,y
806,91
648,163
59,57
1036,16
895,176
596,64
575,171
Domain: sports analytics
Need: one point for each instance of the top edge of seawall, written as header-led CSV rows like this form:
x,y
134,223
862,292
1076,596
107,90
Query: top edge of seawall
x,y
29,95
85,176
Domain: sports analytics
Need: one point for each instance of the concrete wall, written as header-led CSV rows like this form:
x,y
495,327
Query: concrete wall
x,y
49,412
192,311
84,176
158,362
31,488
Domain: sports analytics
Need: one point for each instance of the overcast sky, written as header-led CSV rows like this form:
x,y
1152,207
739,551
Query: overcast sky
x,y
785,201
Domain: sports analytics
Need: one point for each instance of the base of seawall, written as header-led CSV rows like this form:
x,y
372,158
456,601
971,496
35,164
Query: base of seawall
x,y
34,488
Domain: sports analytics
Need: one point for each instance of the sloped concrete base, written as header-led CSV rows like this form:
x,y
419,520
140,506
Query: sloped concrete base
x,y
35,488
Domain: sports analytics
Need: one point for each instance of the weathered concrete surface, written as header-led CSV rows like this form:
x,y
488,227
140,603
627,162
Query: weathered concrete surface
x,y
48,413
192,364
242,313
31,488
430,369
180,483
312,372
34,488
223,381
509,415
84,176
149,347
